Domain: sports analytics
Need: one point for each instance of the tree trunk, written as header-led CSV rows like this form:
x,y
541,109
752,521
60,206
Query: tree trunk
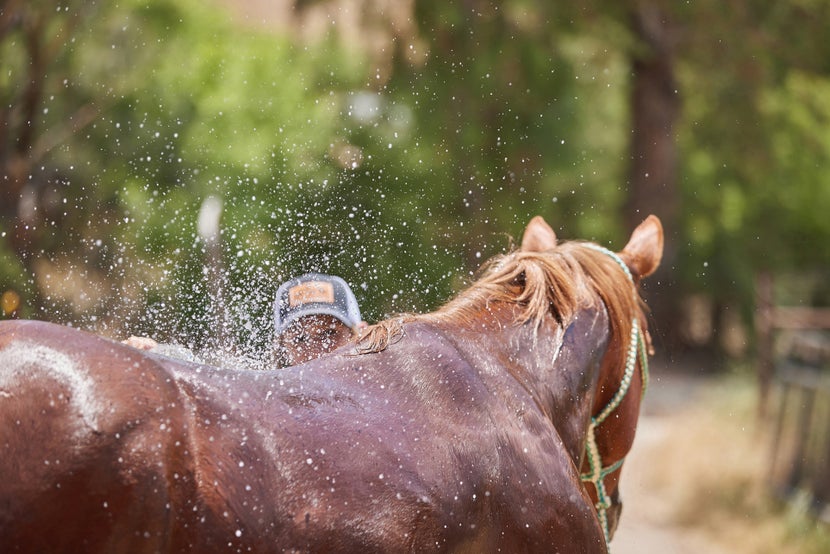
x,y
655,107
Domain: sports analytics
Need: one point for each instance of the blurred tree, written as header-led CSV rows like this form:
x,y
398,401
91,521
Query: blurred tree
x,y
399,150
754,171
34,44
525,116
653,171
712,167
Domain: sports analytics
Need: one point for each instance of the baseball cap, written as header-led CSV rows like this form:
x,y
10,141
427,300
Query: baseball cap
x,y
315,294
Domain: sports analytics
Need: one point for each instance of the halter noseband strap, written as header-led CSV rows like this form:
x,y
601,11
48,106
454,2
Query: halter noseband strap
x,y
636,349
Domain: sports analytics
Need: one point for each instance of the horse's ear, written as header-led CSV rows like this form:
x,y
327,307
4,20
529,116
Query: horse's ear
x,y
644,250
538,236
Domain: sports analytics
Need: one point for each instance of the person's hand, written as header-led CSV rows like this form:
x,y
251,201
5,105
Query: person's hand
x,y
142,343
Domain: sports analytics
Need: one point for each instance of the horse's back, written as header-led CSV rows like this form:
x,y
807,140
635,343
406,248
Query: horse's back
x,y
417,448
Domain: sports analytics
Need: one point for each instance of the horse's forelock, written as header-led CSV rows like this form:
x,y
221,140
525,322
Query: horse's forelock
x,y
616,291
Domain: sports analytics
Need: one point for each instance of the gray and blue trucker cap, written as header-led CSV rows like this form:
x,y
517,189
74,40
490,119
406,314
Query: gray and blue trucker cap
x,y
314,294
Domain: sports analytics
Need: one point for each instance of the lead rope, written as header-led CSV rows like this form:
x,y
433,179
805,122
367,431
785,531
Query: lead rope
x,y
598,473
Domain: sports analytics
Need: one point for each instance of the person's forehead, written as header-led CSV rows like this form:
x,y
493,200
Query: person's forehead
x,y
316,320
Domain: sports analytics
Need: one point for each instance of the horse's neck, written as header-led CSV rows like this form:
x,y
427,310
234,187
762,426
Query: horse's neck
x,y
557,368
575,375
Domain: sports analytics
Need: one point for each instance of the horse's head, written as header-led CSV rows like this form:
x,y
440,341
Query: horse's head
x,y
623,374
567,322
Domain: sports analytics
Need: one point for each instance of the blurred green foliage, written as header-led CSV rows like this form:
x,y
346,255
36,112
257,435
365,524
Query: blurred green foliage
x,y
402,185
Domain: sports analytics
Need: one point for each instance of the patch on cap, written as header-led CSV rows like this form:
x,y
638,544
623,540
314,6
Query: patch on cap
x,y
311,291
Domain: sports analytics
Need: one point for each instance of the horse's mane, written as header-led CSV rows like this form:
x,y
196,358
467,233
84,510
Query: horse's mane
x,y
558,281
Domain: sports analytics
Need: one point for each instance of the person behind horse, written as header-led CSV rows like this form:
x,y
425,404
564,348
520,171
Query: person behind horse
x,y
313,315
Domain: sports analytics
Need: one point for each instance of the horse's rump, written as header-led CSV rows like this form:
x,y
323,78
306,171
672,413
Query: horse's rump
x,y
79,430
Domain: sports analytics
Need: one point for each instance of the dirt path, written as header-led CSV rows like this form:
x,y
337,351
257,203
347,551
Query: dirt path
x,y
647,524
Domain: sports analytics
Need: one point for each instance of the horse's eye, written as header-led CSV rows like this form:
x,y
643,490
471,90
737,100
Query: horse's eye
x,y
520,279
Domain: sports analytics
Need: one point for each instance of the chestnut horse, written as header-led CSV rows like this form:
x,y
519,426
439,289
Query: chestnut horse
x,y
481,427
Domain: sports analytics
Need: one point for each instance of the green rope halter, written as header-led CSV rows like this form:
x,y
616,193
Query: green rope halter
x,y
636,350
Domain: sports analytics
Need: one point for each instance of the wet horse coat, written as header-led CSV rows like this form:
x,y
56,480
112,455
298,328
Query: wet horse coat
x,y
462,430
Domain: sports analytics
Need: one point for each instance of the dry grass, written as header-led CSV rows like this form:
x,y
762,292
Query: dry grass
x,y
710,469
